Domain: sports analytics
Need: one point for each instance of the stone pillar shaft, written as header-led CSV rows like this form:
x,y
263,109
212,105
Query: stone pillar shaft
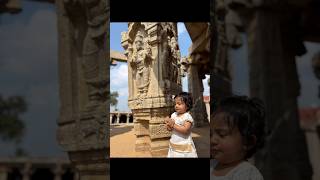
x,y
195,86
128,118
26,171
118,118
274,79
83,127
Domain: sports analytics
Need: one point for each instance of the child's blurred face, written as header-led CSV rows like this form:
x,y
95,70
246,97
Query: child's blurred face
x,y
227,144
180,107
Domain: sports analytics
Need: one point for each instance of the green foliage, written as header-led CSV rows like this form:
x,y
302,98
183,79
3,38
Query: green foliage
x,y
12,128
113,99
20,152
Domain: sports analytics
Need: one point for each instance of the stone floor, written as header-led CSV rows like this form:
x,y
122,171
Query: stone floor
x,y
122,140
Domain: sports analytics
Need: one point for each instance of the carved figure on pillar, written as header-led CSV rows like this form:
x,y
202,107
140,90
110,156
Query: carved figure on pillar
x,y
140,63
175,54
93,67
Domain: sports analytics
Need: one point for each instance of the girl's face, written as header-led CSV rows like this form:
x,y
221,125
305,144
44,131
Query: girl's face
x,y
227,144
180,106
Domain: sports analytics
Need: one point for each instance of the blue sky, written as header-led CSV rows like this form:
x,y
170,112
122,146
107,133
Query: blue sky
x,y
308,82
29,68
119,73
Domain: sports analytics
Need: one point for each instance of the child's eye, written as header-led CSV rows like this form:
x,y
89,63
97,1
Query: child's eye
x,y
222,135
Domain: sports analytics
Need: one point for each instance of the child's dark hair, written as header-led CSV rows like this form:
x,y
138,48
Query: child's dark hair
x,y
248,114
186,98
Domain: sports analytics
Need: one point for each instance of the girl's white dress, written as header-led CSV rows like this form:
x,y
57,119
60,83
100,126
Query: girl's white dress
x,y
181,145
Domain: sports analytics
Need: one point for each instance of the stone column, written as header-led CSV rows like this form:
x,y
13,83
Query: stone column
x,y
220,80
153,57
195,86
128,118
3,173
83,128
58,171
118,118
111,118
76,175
198,66
26,171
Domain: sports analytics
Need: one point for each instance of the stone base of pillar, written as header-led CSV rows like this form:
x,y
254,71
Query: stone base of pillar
x,y
93,177
141,127
91,164
142,143
159,147
3,173
151,132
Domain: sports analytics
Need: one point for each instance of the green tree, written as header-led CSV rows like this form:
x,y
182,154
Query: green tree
x,y
114,99
12,128
20,152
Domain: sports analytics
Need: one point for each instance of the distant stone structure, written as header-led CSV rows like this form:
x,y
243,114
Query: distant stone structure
x,y
117,117
27,168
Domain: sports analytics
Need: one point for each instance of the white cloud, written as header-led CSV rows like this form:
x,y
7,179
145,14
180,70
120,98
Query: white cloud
x,y
119,83
119,77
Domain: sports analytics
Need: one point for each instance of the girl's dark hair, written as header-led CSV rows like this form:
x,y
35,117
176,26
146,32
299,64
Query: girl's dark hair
x,y
248,114
186,98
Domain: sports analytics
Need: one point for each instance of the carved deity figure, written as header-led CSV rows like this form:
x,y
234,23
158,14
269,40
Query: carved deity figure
x,y
175,59
94,52
140,62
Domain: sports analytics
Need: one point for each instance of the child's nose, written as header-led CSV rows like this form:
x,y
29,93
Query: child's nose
x,y
214,140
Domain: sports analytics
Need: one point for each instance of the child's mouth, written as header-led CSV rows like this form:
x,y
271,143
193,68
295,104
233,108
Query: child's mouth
x,y
216,151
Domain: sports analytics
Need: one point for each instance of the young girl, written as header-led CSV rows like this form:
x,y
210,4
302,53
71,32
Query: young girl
x,y
180,123
237,132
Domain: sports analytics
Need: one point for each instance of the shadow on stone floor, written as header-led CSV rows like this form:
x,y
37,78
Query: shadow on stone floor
x,y
119,129
201,139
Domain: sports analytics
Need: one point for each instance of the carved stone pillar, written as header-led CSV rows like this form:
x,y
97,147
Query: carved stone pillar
x,y
84,85
220,80
273,78
273,43
154,76
111,118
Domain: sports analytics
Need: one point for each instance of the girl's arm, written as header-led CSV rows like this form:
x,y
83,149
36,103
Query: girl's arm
x,y
185,129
